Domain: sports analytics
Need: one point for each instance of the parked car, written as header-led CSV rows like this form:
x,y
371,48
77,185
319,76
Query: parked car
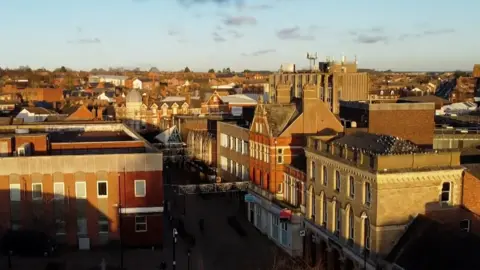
x,y
27,243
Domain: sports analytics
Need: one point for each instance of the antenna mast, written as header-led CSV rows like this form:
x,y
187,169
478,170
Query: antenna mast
x,y
312,58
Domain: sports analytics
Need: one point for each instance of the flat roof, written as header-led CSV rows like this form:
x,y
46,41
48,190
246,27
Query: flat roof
x,y
388,106
90,136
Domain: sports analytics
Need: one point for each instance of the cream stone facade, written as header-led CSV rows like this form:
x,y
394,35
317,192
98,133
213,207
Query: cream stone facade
x,y
359,200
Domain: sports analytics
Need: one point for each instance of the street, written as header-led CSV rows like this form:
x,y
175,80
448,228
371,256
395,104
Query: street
x,y
220,246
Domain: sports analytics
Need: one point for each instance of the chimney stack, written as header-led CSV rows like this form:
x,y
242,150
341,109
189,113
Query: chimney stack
x,y
284,94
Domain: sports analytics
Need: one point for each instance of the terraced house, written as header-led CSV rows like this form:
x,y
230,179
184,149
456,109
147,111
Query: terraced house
x,y
363,191
276,141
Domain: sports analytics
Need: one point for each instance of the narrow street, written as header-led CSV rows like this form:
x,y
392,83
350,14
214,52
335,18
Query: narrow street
x,y
220,246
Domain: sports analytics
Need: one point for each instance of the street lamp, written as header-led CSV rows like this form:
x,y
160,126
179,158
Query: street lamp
x,y
366,231
174,263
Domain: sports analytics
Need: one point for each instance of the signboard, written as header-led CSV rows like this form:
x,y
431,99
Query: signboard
x,y
302,233
249,198
285,214
237,111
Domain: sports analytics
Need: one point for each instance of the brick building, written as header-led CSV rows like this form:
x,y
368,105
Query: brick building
x,y
277,138
76,181
409,121
37,94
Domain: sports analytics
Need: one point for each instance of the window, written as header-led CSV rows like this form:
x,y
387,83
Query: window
x,y
245,148
275,223
36,191
256,127
140,188
80,190
313,170
284,233
82,226
103,227
445,197
224,163
312,203
238,145
102,189
325,176
351,186
59,191
351,225
338,181
224,140
325,210
338,217
15,192
366,228
368,194
465,225
232,143
260,128
140,223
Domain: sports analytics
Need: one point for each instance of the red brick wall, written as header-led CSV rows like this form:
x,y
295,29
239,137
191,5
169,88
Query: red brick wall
x,y
414,125
39,143
154,198
471,193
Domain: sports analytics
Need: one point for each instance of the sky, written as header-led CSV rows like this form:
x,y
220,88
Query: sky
x,y
402,35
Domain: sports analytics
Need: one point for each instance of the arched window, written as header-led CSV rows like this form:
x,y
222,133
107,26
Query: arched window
x,y
351,224
325,210
366,231
338,219
312,203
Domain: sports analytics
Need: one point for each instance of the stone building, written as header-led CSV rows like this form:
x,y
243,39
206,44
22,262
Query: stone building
x,y
330,86
363,190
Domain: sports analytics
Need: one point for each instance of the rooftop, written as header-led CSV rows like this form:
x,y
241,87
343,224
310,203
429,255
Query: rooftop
x,y
428,244
377,144
91,136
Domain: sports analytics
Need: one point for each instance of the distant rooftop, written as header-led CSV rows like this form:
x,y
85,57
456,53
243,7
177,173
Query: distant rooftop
x,y
91,136
377,144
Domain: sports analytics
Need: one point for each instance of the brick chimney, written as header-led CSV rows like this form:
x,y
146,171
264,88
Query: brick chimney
x,y
284,93
309,98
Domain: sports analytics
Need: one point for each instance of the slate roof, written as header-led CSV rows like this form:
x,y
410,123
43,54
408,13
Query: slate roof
x,y
279,117
39,110
377,144
70,109
428,244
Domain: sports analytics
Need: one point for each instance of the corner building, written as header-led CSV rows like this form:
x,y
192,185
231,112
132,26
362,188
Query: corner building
x,y
363,191
76,182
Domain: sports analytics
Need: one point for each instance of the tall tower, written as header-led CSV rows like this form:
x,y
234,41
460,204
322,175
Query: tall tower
x,y
312,58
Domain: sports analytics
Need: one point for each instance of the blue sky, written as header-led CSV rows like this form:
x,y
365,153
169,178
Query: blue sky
x,y
253,34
